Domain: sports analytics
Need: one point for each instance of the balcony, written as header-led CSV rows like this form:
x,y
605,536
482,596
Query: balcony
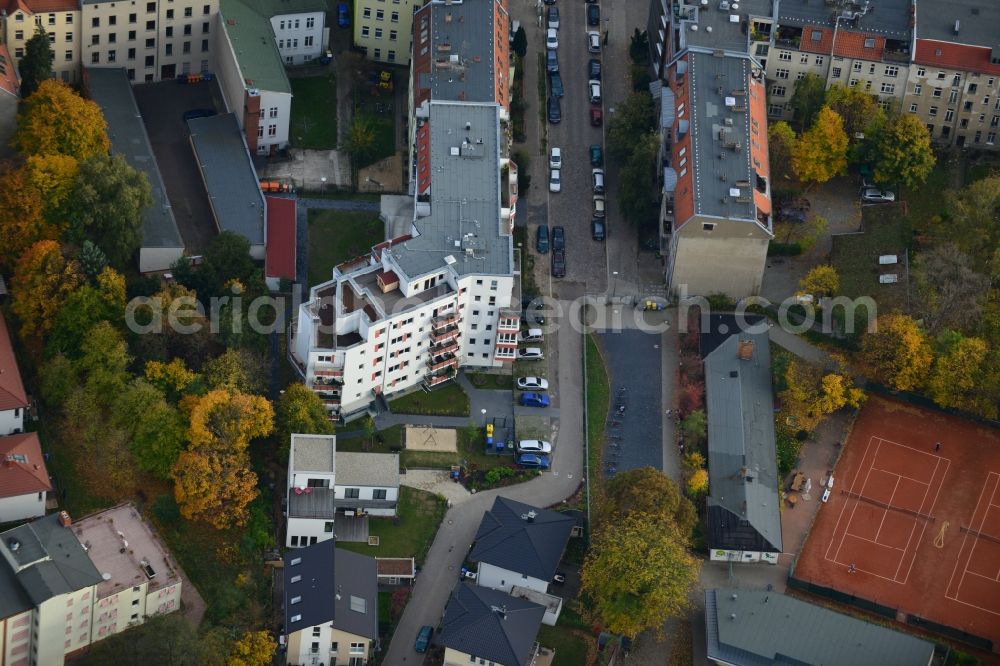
x,y
510,321
337,373
445,348
506,340
445,334
444,320
436,379
442,362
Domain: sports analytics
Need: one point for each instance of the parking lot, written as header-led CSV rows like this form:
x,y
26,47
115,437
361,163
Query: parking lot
x,y
162,106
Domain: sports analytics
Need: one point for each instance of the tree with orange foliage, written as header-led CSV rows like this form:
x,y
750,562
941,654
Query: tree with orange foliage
x,y
56,120
22,216
43,279
213,480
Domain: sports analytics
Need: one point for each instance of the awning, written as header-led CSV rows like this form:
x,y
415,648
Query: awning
x,y
666,108
669,180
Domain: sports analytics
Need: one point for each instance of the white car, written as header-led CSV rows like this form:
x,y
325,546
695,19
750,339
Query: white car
x,y
875,195
555,180
531,335
552,38
533,446
530,354
532,384
593,41
555,158
594,87
826,495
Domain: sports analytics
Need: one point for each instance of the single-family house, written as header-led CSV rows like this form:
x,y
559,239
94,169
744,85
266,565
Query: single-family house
x,y
759,627
331,606
518,544
24,481
367,483
483,626
13,398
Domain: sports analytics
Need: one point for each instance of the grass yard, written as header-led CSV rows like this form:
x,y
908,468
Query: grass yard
x,y
471,449
598,403
384,128
926,201
490,381
571,645
338,235
409,534
450,400
314,113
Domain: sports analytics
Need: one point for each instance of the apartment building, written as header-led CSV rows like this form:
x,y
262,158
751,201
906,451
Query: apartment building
x,y
154,40
299,27
384,29
954,82
59,18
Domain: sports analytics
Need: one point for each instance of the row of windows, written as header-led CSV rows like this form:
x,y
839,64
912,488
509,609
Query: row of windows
x,y
294,43
113,37
150,61
365,32
380,15
294,25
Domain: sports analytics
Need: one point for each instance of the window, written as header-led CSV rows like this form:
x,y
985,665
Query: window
x,y
68,56
308,40
913,108
378,34
888,88
957,80
19,34
394,17
52,19
169,49
366,13
186,47
170,14
170,31
804,59
978,137
310,22
328,527
921,71
150,25
187,29
836,72
932,111
936,92
316,631
967,106
392,35
206,9
891,71
352,493
991,138
775,109
69,36
132,18
963,123
940,76
205,28
95,22
816,36
188,12
204,46
69,21
272,130
281,43
364,31
800,76
870,43
820,60
995,121
953,97
295,618
95,40
708,226
949,114
272,112
379,493
778,91
917,88
379,15
150,6
357,648
781,73
784,56
871,68
857,66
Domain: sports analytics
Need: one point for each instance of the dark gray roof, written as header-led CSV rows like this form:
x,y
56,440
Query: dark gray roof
x,y
713,79
490,624
509,539
742,469
462,60
888,18
48,561
112,91
465,196
309,576
716,29
772,628
229,176
978,21
357,576
317,503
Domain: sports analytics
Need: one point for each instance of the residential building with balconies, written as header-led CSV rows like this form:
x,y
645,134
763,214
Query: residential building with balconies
x,y
59,18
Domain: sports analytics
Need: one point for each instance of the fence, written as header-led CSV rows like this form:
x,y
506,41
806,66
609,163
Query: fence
x,y
842,597
951,632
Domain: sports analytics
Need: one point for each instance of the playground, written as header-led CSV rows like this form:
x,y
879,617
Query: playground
x,y
913,524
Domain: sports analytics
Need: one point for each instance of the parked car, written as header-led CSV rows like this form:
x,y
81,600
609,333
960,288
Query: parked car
x,y
542,239
555,181
552,38
555,158
553,18
423,638
534,400
534,446
343,15
555,81
531,335
532,384
875,195
558,239
597,180
594,69
597,229
558,263
532,460
555,112
596,116
530,354
599,205
593,42
596,155
552,60
593,15
594,90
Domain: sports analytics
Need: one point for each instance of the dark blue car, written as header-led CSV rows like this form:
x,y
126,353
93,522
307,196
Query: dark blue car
x,y
534,400
343,15
533,460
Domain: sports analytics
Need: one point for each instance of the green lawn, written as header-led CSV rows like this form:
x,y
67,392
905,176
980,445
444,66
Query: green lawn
x,y
471,450
926,201
385,137
338,235
449,400
409,534
570,644
598,403
491,381
314,113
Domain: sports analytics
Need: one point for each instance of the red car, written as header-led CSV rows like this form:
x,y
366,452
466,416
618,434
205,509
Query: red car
x,y
596,116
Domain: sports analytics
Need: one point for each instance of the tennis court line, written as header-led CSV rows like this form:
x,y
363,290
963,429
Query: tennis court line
x,y
958,559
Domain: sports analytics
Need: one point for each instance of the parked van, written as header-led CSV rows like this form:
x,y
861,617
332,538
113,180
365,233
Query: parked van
x,y
531,335
542,239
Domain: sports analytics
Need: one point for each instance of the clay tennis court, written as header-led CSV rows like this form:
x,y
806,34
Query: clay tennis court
x,y
913,526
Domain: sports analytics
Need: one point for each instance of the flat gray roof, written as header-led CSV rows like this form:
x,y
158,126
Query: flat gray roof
x,y
756,628
462,61
715,129
464,223
742,469
978,21
313,453
716,29
110,88
888,18
368,469
233,189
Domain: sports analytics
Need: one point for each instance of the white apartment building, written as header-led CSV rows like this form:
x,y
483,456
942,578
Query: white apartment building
x,y
300,29
419,306
60,19
384,29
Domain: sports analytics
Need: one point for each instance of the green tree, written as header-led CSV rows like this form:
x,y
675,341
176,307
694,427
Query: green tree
x,y
972,223
781,146
36,65
860,110
92,259
638,195
647,491
300,410
638,47
104,362
162,639
156,439
821,153
633,118
897,352
695,426
83,308
902,151
807,99
57,378
236,370
107,203
43,279
520,44
55,120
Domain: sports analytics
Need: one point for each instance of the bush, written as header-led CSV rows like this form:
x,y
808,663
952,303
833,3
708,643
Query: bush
x,y
721,303
640,78
787,448
523,161
494,475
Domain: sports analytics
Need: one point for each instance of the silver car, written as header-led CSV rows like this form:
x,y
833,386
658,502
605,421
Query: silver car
x,y
534,446
532,384
875,195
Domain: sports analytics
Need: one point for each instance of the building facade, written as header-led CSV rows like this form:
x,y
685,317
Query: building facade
x,y
384,29
60,19
13,397
24,480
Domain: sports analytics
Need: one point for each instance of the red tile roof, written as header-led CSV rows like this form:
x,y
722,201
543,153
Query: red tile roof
x,y
22,467
12,394
8,78
810,45
852,45
954,56
42,6
280,259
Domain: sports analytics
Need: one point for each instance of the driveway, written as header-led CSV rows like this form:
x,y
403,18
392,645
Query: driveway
x,y
454,538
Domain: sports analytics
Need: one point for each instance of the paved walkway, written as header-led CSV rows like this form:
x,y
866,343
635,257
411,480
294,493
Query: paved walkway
x,y
798,346
496,404
438,482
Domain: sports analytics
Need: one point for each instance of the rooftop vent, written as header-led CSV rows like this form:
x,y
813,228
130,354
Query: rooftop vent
x,y
13,544
499,610
734,374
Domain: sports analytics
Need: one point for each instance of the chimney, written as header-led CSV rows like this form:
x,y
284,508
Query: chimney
x,y
745,350
64,519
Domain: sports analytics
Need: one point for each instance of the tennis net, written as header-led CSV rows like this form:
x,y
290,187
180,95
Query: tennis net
x,y
981,535
891,507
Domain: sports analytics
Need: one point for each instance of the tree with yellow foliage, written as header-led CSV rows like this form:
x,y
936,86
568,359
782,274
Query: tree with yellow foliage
x,y
649,491
43,279
697,483
53,176
821,152
957,378
84,308
814,392
820,281
254,648
897,352
56,120
172,378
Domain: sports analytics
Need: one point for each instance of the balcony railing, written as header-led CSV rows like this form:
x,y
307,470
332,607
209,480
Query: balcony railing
x,y
444,320
440,378
449,347
442,362
444,334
